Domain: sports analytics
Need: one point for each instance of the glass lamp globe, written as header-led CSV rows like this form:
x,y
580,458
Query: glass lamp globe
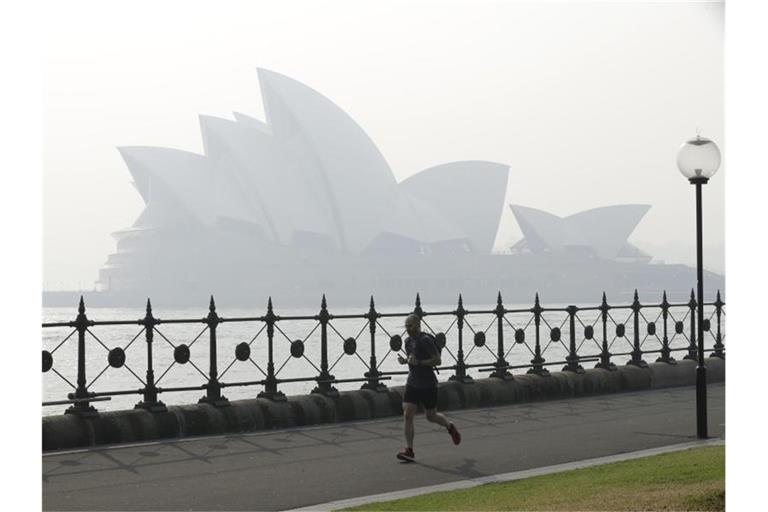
x,y
698,158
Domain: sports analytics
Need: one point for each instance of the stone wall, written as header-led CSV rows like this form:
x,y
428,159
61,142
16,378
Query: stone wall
x,y
68,431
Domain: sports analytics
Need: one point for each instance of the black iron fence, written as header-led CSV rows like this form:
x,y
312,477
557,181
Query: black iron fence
x,y
481,340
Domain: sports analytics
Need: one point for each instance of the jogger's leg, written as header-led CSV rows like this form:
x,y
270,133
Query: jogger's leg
x,y
436,417
409,411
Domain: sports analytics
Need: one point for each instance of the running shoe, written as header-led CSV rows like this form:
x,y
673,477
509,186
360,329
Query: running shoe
x,y
455,436
406,454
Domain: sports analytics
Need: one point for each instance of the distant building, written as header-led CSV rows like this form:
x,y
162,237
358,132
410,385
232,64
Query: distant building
x,y
309,179
305,204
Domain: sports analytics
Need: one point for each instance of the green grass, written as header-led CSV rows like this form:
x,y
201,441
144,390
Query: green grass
x,y
692,479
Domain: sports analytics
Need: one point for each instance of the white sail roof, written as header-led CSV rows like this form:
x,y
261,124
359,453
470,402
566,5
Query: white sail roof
x,y
468,194
411,217
337,156
180,176
542,230
267,175
237,197
605,230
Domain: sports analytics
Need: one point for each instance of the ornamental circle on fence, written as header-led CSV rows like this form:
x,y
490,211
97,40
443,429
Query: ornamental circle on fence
x,y
116,357
395,343
652,329
479,338
519,336
181,354
243,351
440,340
589,332
350,346
554,334
297,348
620,331
47,361
679,327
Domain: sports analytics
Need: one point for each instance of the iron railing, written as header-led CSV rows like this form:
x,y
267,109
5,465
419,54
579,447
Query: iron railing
x,y
565,333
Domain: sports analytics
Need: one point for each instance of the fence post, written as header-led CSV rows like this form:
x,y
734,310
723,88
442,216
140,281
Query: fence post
x,y
719,347
373,373
417,308
324,388
270,383
666,353
573,358
83,409
692,350
537,361
637,353
213,388
461,369
605,356
501,371
150,401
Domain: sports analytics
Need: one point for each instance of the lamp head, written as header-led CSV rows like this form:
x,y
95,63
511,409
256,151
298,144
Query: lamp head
x,y
698,159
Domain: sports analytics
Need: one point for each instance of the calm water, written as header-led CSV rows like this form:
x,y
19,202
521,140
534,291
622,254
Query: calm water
x,y
101,377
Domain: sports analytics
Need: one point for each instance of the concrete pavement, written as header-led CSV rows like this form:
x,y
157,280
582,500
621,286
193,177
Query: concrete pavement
x,y
286,469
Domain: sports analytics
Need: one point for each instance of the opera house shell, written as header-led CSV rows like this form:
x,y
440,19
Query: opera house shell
x,y
305,203
599,232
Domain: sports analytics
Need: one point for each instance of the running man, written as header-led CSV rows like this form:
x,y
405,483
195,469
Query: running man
x,y
421,387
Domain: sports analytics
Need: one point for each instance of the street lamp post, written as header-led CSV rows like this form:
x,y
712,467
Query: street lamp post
x,y
699,159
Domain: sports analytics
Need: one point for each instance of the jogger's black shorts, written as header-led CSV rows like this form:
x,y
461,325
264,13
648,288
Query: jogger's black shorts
x,y
424,396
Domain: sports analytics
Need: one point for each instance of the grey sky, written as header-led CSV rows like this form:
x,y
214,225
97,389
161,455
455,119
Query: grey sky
x,y
587,102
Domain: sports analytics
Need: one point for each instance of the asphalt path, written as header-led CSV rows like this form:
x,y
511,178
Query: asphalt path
x,y
284,469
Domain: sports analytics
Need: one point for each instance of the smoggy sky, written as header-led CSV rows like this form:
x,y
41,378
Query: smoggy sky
x,y
587,102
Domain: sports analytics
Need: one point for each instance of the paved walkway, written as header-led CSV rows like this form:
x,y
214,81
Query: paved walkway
x,y
297,468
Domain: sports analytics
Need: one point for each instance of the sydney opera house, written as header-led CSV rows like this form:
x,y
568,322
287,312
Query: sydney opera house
x,y
304,203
